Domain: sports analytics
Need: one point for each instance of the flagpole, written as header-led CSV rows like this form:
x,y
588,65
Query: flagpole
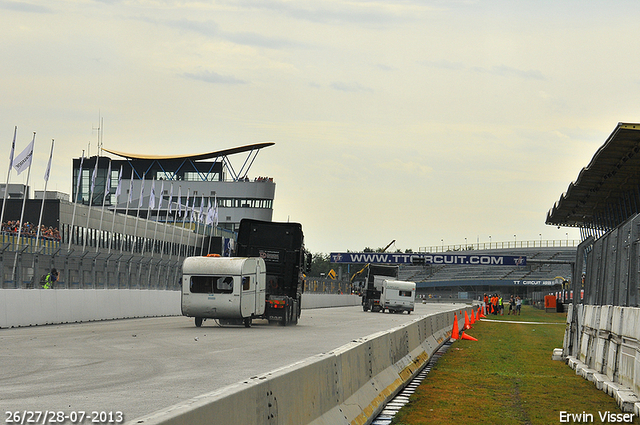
x,y
173,232
166,220
115,209
182,226
107,189
24,202
6,186
135,232
75,203
146,223
93,186
126,211
155,231
190,225
46,181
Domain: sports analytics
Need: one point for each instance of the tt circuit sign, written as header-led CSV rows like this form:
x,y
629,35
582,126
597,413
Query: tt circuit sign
x,y
426,258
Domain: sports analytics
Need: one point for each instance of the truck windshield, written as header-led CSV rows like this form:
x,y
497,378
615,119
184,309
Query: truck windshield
x,y
211,284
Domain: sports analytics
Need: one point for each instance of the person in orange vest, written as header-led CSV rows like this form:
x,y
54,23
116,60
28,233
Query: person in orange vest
x,y
486,303
494,304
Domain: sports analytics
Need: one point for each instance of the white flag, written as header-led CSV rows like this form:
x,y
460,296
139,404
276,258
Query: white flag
x,y
152,197
46,173
161,195
79,179
186,205
215,210
13,147
93,176
141,192
130,188
209,213
23,160
107,186
200,215
179,201
119,188
170,198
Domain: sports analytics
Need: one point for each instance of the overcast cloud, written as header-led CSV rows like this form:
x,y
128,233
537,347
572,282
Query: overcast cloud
x,y
427,122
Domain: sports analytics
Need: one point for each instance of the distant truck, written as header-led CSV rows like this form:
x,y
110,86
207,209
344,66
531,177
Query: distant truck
x,y
229,289
278,257
376,274
397,296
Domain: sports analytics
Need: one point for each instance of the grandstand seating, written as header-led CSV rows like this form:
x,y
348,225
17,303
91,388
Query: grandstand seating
x,y
532,271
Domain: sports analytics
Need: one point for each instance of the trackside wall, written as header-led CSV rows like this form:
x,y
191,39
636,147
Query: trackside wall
x,y
607,350
30,307
346,386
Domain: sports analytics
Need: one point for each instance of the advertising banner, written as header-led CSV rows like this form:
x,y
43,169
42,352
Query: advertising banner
x,y
427,258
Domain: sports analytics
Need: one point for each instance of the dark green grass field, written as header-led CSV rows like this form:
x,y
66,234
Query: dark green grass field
x,y
506,377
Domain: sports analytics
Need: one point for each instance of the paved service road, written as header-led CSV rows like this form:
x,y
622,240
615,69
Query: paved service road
x,y
139,366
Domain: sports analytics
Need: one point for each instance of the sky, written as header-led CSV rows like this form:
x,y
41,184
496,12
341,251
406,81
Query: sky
x,y
431,123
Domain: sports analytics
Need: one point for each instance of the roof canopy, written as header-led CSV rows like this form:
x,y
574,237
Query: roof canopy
x,y
607,191
194,157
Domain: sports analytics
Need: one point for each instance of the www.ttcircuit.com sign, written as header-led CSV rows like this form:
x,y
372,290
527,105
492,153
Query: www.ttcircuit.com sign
x,y
426,258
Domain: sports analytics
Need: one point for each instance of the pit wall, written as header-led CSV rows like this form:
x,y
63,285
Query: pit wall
x,y
349,385
603,346
30,307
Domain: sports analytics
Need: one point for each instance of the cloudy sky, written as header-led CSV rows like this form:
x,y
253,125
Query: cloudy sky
x,y
427,122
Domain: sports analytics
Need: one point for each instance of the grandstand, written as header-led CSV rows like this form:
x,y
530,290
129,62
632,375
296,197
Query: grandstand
x,y
545,265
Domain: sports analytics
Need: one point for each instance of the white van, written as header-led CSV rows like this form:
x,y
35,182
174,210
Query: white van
x,y
397,296
232,289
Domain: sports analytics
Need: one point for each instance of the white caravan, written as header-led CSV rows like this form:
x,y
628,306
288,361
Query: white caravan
x,y
397,296
231,289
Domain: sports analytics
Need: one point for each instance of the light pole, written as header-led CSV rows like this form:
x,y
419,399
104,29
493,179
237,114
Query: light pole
x,y
442,242
489,241
540,240
465,244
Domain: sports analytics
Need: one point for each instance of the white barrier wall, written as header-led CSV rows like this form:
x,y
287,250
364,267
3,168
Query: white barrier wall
x,y
29,307
608,350
347,386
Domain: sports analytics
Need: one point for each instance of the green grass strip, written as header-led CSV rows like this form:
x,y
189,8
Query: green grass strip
x,y
506,377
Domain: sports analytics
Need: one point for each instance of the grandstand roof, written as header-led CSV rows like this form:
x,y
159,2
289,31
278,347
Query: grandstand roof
x,y
607,191
195,157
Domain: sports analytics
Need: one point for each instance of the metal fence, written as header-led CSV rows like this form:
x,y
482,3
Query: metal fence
x,y
611,275
87,270
24,263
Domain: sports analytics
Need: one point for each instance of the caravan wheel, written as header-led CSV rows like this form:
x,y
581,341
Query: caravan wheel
x,y
198,322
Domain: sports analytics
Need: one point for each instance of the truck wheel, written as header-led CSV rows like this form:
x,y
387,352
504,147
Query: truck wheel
x,y
247,322
198,322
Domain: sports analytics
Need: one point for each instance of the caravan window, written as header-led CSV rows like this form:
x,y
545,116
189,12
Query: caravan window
x,y
211,284
405,293
246,283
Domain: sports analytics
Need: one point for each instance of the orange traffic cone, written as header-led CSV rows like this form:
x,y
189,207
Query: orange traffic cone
x,y
469,337
466,320
454,332
472,319
482,313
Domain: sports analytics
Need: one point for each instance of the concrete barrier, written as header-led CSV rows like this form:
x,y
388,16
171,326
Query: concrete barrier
x,y
349,385
30,307
608,351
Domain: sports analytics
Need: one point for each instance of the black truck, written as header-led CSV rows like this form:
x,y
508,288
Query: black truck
x,y
375,274
281,245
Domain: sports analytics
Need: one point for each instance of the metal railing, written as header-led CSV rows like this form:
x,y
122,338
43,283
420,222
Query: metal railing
x,y
557,243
